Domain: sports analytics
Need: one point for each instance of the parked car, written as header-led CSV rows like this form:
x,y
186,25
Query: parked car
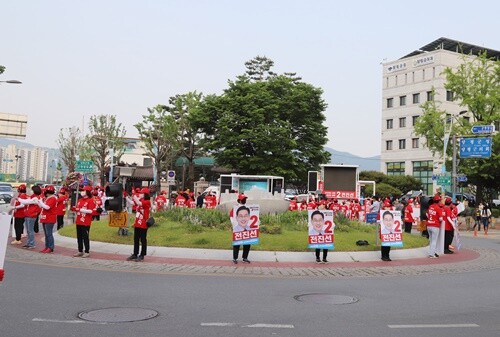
x,y
5,200
496,202
6,188
471,199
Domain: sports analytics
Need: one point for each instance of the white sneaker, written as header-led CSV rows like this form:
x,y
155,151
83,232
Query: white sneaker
x,y
85,254
79,254
15,242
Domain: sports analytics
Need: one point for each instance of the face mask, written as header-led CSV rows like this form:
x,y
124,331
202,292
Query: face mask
x,y
83,193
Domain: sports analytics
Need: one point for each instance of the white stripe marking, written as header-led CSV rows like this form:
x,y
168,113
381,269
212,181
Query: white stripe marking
x,y
218,324
272,326
257,325
57,321
412,326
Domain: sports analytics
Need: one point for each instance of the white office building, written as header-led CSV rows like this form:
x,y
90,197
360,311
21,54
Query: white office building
x,y
407,83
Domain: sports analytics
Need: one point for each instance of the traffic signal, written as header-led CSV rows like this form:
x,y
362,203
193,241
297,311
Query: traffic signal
x,y
115,194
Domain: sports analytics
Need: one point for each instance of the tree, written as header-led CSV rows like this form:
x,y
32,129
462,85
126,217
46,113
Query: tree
x,y
266,126
476,87
159,132
71,143
403,183
2,69
182,108
105,140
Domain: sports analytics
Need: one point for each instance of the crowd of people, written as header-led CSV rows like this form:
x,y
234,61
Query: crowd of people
x,y
47,207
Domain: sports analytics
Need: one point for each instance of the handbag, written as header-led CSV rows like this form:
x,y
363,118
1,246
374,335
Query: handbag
x,y
150,222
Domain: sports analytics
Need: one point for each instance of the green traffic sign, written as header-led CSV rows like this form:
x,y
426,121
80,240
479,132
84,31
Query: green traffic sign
x,y
84,166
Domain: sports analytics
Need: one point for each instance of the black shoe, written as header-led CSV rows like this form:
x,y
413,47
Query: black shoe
x,y
448,251
386,259
435,254
246,261
140,258
318,261
325,261
235,261
132,257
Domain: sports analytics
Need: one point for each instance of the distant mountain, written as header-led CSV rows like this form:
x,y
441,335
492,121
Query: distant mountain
x,y
346,158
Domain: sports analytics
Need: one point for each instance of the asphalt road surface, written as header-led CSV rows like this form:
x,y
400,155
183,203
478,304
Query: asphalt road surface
x,y
66,300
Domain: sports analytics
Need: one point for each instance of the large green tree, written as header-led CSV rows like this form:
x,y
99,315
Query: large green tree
x,y
476,87
159,132
265,124
183,108
105,138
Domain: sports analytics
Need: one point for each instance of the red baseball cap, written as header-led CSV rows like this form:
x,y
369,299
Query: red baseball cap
x,y
145,190
241,196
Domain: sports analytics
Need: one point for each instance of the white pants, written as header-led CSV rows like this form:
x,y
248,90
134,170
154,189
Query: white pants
x,y
433,238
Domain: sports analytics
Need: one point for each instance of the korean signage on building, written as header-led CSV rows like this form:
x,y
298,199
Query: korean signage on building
x,y
422,61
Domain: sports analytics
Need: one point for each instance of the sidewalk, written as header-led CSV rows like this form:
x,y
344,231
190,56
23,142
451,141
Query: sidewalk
x,y
166,260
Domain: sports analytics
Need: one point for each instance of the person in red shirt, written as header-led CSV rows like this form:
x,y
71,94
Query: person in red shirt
x,y
83,209
96,212
449,225
180,201
335,206
210,200
161,201
293,205
434,218
48,217
19,214
31,214
143,207
311,205
356,208
408,216
62,203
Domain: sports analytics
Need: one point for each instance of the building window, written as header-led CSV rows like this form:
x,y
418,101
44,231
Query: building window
x,y
388,145
402,144
414,143
416,98
390,102
402,100
430,96
402,122
422,170
414,120
449,96
389,124
396,169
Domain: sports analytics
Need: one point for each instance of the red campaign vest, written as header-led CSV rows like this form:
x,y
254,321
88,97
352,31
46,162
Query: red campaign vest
x,y
84,219
32,211
293,206
142,214
180,201
433,214
62,203
49,216
20,212
408,216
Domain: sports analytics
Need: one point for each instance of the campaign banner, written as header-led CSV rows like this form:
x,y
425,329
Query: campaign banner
x,y
246,221
391,233
4,235
321,229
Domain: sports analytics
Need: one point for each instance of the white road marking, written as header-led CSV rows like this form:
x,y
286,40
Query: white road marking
x,y
271,326
256,325
419,326
57,321
218,324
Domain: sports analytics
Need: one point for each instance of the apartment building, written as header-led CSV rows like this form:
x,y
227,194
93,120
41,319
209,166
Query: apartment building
x,y
407,83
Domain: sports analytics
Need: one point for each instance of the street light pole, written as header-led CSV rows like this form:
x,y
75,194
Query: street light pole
x,y
17,167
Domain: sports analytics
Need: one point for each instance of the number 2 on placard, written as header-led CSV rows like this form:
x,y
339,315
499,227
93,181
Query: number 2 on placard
x,y
328,228
253,221
398,226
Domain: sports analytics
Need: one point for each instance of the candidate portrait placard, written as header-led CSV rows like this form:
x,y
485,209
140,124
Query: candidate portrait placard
x,y
4,235
321,229
246,221
391,233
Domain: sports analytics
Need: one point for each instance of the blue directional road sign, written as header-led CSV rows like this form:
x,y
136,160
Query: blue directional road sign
x,y
480,129
475,147
462,179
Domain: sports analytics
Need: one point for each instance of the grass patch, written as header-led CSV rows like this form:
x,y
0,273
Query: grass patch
x,y
283,232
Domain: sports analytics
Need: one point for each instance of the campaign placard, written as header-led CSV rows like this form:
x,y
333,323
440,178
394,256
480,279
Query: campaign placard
x,y
246,221
391,233
321,229
4,235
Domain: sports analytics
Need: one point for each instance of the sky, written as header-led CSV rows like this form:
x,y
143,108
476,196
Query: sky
x,y
77,59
